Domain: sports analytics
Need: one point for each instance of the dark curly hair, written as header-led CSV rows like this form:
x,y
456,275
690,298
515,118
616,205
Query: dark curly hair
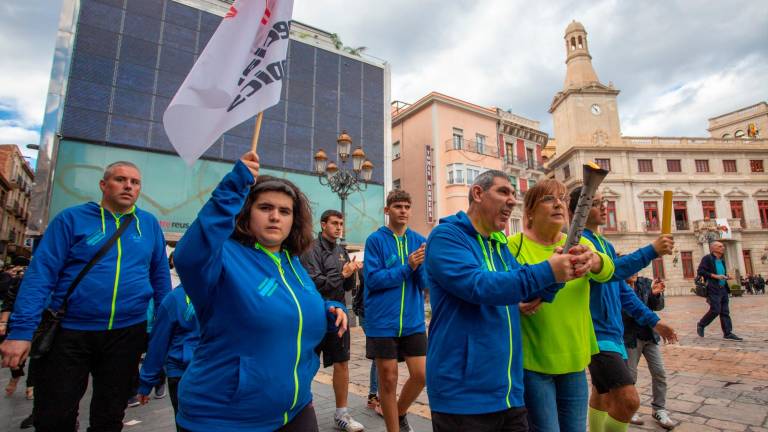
x,y
300,237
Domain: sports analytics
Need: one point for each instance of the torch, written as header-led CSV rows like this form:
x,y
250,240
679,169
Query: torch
x,y
593,176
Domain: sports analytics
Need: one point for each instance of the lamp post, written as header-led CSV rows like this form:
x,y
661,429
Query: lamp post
x,y
342,180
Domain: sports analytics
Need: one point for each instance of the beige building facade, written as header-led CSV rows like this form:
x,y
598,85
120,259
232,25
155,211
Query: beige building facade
x,y
719,184
440,144
18,175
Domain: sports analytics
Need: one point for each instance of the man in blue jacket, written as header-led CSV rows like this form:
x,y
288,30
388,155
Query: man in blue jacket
x,y
175,334
474,353
712,269
103,332
394,307
614,398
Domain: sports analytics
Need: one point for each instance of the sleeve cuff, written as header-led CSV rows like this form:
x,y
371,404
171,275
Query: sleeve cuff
x,y
606,273
544,277
649,252
20,334
242,175
331,318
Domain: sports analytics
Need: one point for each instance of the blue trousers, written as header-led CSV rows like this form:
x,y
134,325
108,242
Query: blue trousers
x,y
556,403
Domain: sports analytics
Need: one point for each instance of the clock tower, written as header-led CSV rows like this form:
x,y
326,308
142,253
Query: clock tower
x,y
585,111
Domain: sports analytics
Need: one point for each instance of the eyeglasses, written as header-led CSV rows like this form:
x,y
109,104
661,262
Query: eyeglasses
x,y
549,199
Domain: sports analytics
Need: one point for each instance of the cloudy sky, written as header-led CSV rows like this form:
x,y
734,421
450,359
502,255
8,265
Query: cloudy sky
x,y
676,63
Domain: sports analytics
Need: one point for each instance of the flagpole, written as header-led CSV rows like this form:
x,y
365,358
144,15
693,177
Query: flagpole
x,y
256,132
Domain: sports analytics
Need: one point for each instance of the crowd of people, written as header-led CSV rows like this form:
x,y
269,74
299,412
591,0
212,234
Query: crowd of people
x,y
516,320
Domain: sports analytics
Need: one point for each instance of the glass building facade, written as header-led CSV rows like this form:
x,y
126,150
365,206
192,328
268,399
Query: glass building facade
x,y
125,59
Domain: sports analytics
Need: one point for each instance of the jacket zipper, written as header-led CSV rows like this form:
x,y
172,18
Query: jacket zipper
x,y
400,247
117,275
492,267
277,262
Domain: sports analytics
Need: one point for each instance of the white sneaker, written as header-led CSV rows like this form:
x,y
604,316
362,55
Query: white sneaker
x,y
347,423
662,418
636,420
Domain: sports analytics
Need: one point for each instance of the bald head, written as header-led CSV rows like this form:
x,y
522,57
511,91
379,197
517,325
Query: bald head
x,y
717,248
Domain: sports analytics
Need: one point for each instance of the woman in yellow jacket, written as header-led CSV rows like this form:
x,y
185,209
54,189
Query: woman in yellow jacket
x,y
558,337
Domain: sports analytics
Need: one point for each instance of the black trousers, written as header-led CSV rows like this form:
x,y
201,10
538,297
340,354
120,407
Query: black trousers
x,y
305,421
111,357
173,391
718,306
512,420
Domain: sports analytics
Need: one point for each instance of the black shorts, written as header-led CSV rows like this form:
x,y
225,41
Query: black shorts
x,y
399,348
511,420
609,371
335,349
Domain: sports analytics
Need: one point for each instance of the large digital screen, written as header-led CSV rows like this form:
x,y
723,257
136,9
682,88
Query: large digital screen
x,y
129,58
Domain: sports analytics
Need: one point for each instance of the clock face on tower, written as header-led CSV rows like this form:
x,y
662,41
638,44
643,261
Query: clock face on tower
x,y
595,109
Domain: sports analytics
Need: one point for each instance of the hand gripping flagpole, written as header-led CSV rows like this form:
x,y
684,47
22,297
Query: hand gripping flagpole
x,y
256,132
593,176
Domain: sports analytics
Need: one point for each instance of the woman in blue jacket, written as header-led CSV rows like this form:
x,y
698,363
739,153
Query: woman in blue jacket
x,y
175,334
260,315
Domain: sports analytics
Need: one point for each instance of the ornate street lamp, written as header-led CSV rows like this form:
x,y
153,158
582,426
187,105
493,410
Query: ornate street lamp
x,y
342,180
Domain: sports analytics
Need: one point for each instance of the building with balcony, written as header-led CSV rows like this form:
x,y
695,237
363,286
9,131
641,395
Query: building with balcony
x,y
441,143
16,179
719,184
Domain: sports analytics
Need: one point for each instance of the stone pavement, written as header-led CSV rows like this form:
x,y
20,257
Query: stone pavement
x,y
714,384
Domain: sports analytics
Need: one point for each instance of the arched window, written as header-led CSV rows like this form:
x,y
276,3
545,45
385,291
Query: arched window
x,y
739,134
726,135
581,45
573,43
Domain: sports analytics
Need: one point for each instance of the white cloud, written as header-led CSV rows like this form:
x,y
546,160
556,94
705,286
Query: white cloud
x,y
676,63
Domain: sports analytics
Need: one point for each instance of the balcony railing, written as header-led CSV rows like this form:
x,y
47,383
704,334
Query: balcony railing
x,y
514,162
682,225
472,146
652,226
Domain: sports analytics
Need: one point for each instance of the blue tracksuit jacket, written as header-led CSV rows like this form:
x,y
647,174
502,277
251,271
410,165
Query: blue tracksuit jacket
x,y
116,291
474,354
607,300
260,317
394,297
173,339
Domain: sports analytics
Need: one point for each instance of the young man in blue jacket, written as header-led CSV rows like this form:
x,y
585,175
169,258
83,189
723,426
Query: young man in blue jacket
x,y
474,354
103,332
614,398
174,337
394,307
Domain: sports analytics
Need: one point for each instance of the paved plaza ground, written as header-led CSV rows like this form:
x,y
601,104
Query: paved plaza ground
x,y
714,384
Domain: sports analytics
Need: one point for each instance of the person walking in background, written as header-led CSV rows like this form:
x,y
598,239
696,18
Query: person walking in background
x,y
642,340
175,335
330,268
103,331
394,304
712,269
259,312
358,306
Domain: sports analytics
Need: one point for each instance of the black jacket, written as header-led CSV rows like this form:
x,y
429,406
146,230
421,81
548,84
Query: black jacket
x,y
634,331
10,285
706,270
324,261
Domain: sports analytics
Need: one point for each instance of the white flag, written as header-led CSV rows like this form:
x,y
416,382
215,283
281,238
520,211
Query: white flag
x,y
238,75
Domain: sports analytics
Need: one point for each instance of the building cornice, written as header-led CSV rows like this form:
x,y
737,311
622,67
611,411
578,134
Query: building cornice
x,y
427,100
591,89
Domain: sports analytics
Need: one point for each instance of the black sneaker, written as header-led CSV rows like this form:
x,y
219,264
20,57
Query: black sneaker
x,y
732,336
700,330
404,426
27,422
